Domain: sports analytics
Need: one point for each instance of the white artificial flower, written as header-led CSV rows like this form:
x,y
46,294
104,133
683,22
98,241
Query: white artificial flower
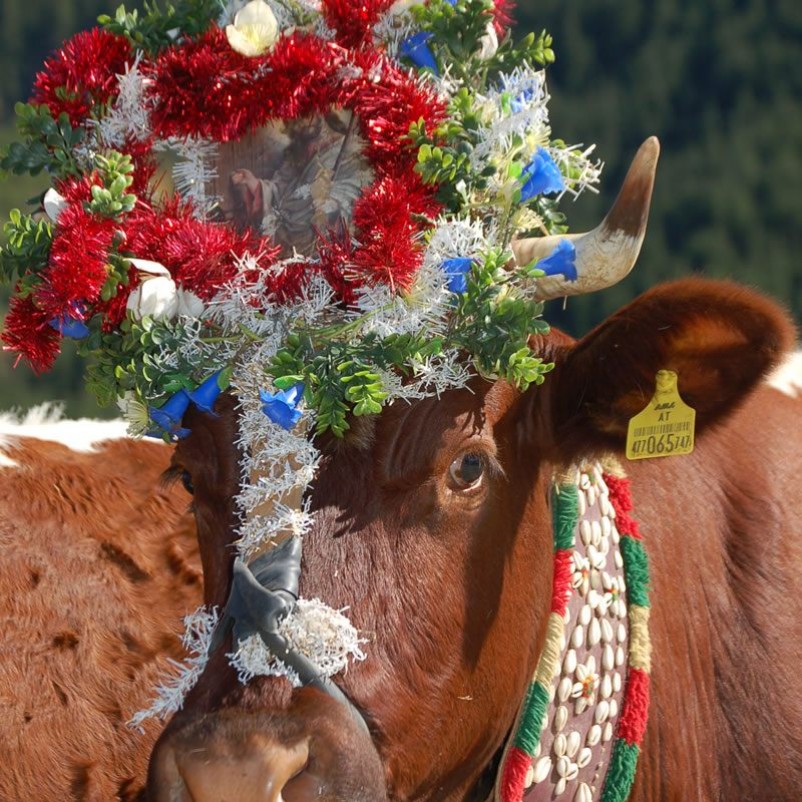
x,y
489,43
54,204
157,295
255,29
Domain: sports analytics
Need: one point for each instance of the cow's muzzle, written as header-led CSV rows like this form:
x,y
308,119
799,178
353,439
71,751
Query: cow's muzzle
x,y
313,750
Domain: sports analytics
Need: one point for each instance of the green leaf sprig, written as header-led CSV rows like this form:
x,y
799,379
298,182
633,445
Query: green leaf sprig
x,y
156,28
47,144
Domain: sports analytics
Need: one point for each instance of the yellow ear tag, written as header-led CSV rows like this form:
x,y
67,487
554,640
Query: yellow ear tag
x,y
666,426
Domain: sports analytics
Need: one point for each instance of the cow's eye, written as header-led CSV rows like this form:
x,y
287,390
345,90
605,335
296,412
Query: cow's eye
x,y
466,471
186,480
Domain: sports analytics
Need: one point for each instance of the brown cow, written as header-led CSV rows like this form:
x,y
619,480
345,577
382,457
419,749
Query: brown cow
x,y
450,580
99,564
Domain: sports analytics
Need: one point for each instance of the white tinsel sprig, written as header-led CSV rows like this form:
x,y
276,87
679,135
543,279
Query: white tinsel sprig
x,y
172,690
323,635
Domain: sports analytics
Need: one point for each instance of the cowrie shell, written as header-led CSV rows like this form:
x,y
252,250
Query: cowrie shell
x,y
594,633
563,766
560,746
585,755
583,793
572,743
608,657
530,777
602,711
560,718
542,769
594,735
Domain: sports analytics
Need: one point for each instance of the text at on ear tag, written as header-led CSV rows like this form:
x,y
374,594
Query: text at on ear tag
x,y
666,427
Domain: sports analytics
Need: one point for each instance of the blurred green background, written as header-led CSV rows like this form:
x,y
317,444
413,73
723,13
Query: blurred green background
x,y
719,81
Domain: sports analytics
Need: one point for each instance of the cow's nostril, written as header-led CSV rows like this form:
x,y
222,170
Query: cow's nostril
x,y
257,769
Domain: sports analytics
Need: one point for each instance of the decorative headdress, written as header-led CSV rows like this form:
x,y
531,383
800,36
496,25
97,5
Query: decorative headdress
x,y
326,206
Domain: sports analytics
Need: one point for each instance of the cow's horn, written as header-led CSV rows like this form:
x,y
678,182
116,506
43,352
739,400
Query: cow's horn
x,y
605,255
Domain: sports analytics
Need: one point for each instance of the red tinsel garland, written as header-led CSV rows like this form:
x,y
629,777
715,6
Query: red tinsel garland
x,y
28,334
204,88
353,20
503,15
82,75
201,256
76,271
388,100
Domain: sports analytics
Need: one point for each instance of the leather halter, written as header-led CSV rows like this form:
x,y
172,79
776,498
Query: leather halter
x,y
263,593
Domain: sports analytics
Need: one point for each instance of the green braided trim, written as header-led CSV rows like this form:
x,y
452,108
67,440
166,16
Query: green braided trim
x,y
532,715
566,511
621,773
636,571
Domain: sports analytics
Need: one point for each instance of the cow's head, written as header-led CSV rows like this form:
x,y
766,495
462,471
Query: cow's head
x,y
432,528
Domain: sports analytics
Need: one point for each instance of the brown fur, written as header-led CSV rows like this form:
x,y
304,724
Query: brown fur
x,y
99,564
452,589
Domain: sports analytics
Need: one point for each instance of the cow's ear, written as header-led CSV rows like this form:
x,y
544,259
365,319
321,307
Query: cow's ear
x,y
719,337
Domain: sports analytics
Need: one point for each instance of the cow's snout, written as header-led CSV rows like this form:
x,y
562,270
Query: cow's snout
x,y
250,769
312,751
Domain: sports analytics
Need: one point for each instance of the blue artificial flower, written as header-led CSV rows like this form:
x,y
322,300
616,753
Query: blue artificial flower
x,y
540,177
416,49
204,396
282,407
457,270
561,261
168,417
522,100
69,326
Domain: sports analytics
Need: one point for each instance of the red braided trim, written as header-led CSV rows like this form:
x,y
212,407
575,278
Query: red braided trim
x,y
621,499
632,723
516,766
561,586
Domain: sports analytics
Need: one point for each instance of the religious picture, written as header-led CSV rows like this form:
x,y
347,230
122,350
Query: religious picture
x,y
293,180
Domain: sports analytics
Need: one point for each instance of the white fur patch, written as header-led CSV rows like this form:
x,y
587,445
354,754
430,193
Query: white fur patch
x,y
45,422
788,377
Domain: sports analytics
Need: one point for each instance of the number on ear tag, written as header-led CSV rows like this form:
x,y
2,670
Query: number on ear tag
x,y
666,427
